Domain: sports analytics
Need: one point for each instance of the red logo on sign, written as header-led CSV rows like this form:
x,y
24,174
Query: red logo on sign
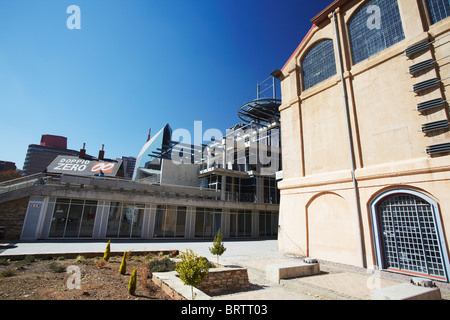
x,y
103,166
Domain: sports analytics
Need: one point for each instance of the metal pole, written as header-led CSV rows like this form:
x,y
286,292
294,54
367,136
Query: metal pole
x,y
352,151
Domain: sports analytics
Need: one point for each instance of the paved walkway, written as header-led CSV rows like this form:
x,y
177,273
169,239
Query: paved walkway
x,y
334,281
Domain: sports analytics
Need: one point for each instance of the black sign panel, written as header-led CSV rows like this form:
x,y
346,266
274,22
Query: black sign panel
x,y
77,166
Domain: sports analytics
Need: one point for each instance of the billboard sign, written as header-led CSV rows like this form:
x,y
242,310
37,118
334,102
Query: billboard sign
x,y
77,166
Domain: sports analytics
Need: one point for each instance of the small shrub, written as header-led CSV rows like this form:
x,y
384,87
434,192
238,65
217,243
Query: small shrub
x,y
29,259
161,265
123,265
132,283
107,253
100,263
7,273
56,267
80,259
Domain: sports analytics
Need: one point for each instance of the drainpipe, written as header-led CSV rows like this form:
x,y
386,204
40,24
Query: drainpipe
x,y
352,151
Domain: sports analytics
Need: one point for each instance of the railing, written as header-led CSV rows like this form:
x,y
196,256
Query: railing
x,y
23,182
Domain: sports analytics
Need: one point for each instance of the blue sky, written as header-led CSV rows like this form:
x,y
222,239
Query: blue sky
x,y
135,65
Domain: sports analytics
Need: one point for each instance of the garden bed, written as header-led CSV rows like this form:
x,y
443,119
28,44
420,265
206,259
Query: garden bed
x,y
46,278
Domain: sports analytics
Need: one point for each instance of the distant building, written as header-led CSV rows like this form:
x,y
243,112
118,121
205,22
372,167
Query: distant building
x,y
38,157
7,166
128,167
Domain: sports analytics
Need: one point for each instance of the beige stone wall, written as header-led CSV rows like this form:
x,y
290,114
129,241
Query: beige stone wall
x,y
318,210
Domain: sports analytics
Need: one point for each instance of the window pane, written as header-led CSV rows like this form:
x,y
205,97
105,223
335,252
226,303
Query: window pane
x,y
169,230
199,221
159,222
318,64
375,26
59,220
73,221
181,222
126,221
113,220
438,10
87,223
138,219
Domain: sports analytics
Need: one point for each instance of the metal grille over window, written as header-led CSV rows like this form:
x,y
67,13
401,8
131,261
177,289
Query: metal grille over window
x,y
438,10
318,64
376,26
410,236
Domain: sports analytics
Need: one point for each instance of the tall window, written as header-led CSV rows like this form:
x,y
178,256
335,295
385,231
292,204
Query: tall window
x,y
374,27
318,64
438,10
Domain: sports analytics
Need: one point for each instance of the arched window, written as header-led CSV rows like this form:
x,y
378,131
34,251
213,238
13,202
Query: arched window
x,y
408,234
438,10
374,27
318,64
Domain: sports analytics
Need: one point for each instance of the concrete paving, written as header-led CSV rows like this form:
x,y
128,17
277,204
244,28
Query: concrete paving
x,y
333,282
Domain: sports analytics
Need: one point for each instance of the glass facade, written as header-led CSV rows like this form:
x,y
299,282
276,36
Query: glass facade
x,y
73,218
170,222
438,10
318,64
375,27
240,222
207,222
125,220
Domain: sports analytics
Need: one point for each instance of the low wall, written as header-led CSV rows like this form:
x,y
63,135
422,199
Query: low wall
x,y
224,280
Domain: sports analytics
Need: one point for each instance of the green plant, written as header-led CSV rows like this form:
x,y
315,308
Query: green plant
x,y
132,283
29,259
123,265
80,259
192,270
7,273
161,265
218,248
57,267
107,253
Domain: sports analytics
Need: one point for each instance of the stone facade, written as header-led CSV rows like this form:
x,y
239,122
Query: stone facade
x,y
224,280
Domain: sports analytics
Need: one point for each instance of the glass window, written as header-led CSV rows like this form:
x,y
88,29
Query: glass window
x,y
438,10
374,27
73,218
207,222
318,64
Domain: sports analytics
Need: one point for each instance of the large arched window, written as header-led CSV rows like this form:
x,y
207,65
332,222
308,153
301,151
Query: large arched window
x,y
438,10
318,64
408,234
374,27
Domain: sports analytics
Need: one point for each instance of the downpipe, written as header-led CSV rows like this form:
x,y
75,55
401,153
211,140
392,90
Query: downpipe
x,y
352,151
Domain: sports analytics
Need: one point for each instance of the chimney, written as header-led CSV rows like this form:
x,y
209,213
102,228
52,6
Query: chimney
x,y
101,153
149,134
82,152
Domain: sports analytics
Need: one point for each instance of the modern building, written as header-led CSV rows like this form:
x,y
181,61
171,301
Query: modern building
x,y
172,194
366,140
39,156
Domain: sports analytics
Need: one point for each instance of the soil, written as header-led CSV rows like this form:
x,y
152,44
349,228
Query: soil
x,y
36,279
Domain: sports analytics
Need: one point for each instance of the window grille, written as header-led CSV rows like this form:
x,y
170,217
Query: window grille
x,y
367,40
438,10
318,64
438,148
410,236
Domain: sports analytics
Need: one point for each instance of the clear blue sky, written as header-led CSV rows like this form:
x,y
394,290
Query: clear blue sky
x,y
135,65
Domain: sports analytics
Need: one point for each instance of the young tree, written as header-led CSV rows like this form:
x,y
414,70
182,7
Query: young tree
x,y
218,248
192,269
132,283
107,254
123,265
